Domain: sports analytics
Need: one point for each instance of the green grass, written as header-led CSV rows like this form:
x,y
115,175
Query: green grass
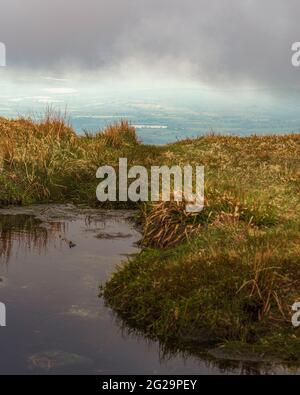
x,y
225,277
232,282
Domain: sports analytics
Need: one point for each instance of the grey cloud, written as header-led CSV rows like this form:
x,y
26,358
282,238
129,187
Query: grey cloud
x,y
216,41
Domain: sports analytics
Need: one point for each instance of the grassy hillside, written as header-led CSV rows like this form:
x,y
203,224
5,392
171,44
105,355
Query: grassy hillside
x,y
46,161
226,276
233,276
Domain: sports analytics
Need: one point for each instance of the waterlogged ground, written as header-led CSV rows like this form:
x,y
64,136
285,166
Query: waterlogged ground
x,y
52,260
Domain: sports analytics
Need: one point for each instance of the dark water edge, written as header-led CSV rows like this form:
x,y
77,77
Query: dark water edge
x,y
52,261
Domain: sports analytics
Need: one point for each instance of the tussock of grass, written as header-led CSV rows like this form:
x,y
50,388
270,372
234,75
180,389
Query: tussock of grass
x,y
168,223
45,160
119,134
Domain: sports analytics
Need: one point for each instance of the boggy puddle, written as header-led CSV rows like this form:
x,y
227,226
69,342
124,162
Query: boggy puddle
x,y
52,260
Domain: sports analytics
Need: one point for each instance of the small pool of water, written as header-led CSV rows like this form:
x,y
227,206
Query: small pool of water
x,y
52,261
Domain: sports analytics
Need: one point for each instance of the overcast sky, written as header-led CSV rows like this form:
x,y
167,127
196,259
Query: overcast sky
x,y
213,41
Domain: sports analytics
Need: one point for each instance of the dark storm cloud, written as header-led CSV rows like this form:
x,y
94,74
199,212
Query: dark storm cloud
x,y
215,41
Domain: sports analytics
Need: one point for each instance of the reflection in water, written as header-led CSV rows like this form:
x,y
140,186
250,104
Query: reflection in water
x,y
169,351
26,232
56,321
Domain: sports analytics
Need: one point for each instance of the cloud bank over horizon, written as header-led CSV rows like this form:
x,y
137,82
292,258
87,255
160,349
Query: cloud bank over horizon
x,y
214,42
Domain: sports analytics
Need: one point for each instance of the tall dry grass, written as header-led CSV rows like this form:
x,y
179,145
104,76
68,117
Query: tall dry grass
x,y
119,133
44,159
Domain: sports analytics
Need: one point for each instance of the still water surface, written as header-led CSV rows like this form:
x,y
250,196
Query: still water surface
x,y
52,261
